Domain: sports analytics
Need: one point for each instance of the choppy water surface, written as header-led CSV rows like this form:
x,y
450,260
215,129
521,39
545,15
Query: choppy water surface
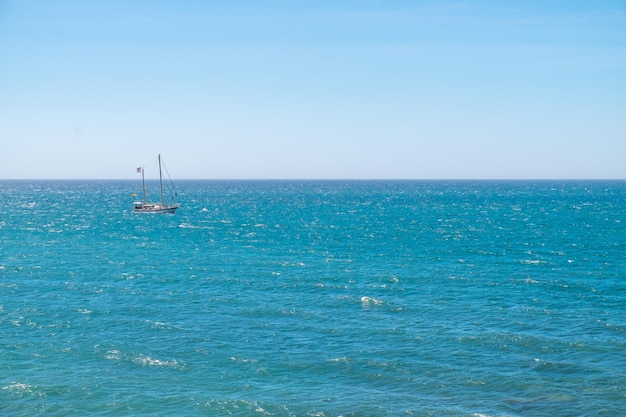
x,y
313,298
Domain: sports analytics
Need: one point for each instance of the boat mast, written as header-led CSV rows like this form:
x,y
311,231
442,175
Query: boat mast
x,y
143,183
161,180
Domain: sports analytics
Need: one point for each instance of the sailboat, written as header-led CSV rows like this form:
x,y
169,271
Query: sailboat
x,y
160,207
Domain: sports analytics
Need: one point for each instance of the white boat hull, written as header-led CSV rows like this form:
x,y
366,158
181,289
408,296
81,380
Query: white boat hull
x,y
154,208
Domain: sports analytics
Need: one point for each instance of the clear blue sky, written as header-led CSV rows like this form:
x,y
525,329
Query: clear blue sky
x,y
313,88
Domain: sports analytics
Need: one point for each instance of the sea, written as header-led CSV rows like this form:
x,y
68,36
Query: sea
x,y
314,298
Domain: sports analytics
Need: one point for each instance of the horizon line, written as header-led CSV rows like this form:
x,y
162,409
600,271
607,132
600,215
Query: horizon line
x,y
320,179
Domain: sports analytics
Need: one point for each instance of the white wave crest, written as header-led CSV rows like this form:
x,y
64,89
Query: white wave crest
x,y
367,301
149,361
20,388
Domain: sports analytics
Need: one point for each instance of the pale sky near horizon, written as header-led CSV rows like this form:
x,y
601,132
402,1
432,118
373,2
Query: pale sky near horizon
x,y
313,89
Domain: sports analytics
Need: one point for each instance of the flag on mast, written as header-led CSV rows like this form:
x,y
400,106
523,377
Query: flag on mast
x,y
139,170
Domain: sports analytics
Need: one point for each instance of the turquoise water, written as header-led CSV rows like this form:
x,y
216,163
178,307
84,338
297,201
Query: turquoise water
x,y
336,298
